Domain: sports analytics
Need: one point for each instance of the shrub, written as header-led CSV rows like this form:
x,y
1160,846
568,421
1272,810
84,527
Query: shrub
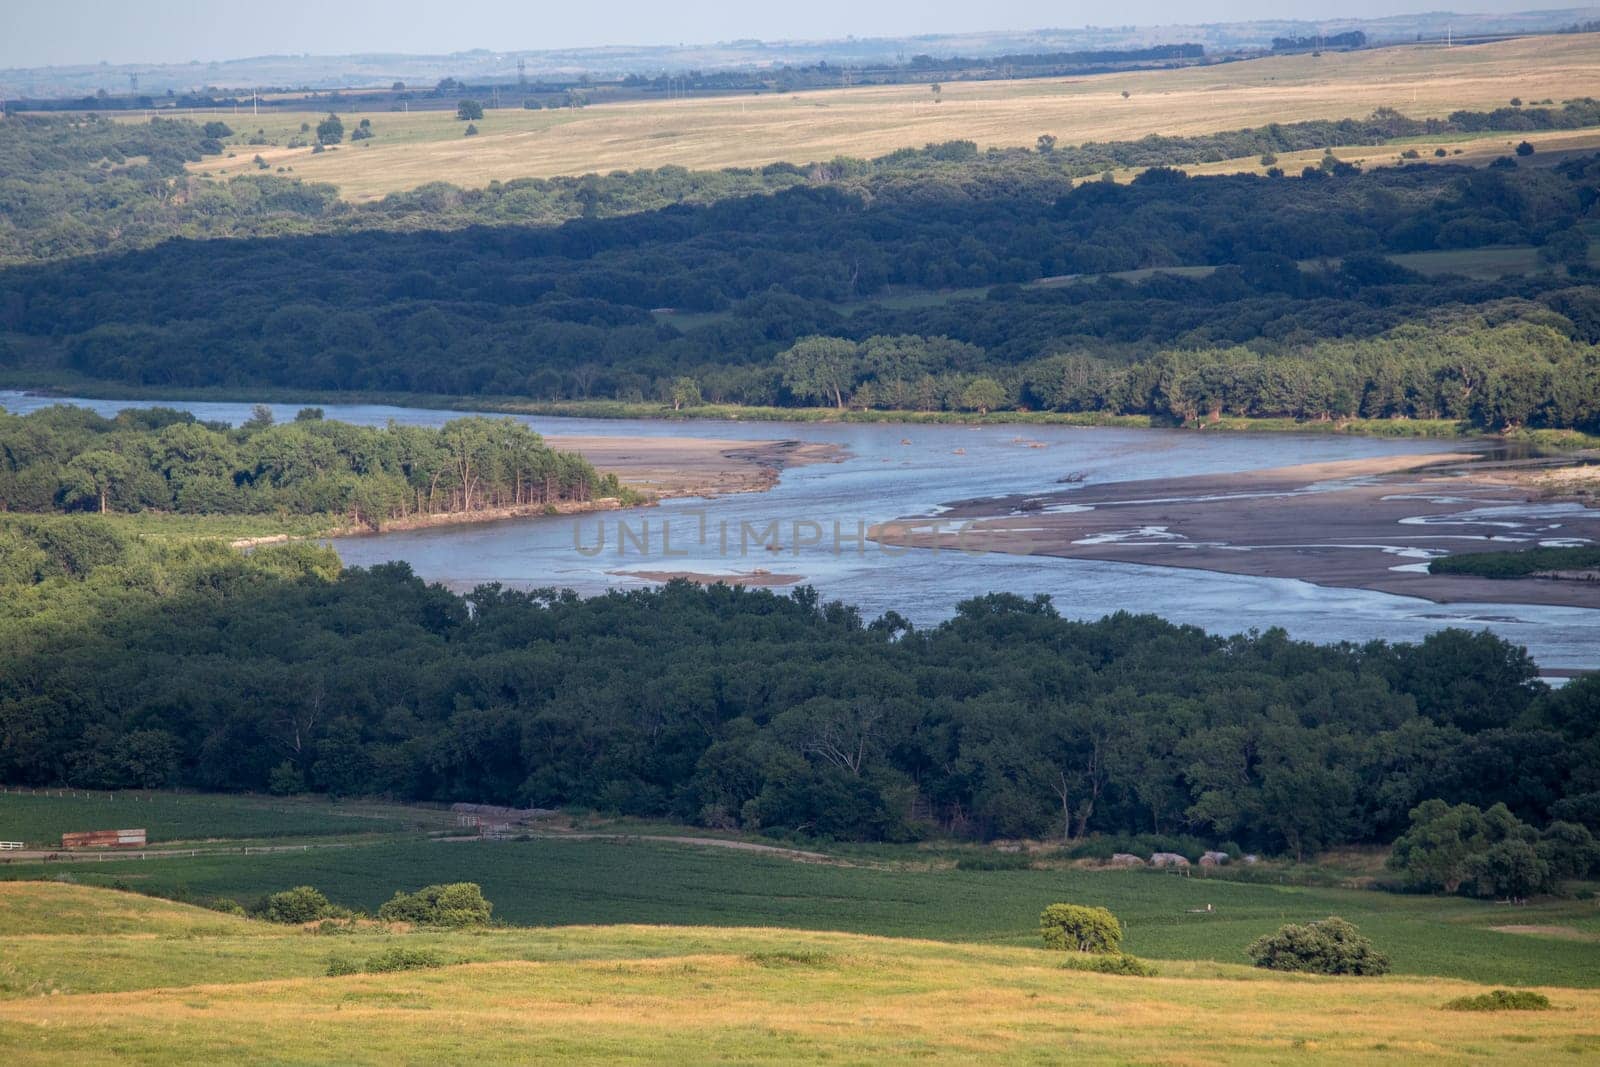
x,y
401,958
302,904
1501,1000
388,961
1116,963
1524,149
1077,928
456,904
1330,946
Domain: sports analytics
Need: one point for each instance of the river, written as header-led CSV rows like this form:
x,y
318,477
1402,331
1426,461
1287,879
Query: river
x,y
896,470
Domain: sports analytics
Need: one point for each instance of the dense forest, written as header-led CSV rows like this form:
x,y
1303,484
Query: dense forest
x,y
70,459
731,708
1283,304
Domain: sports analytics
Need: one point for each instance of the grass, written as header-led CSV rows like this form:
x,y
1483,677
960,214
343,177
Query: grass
x,y
40,818
1422,80
559,883
1519,564
631,994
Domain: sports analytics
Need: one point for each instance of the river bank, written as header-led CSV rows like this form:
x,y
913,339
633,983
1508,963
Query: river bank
x,y
655,468
614,410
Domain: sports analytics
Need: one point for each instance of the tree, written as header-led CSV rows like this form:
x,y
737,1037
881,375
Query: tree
x,y
1126,94
94,476
1524,148
470,131
302,904
1448,849
468,110
1046,143
1329,946
938,92
685,393
456,904
330,130
1079,928
982,394
820,368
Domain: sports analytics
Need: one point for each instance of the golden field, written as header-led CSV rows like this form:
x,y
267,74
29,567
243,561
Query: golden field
x,y
699,133
90,976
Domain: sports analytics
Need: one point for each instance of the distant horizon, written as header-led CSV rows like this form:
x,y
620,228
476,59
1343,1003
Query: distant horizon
x,y
185,33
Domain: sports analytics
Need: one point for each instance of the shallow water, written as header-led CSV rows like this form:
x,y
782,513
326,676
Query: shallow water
x,y
897,470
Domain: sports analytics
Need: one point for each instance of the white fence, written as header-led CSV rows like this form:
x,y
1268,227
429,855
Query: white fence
x,y
10,846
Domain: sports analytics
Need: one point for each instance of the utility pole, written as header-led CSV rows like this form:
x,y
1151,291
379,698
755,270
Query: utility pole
x,y
522,74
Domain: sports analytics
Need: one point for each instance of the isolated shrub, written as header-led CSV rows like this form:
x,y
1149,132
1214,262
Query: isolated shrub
x,y
1116,963
1329,946
470,131
398,958
1524,149
1078,928
302,904
455,904
401,958
1501,1000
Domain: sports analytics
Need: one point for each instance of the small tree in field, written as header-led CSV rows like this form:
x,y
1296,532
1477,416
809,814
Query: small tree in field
x,y
469,110
1079,928
1330,946
330,130
302,904
457,904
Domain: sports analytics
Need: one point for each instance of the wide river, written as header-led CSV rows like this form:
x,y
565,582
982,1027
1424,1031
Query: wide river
x,y
897,470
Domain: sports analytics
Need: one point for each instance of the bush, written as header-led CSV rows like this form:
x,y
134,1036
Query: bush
x,y
1077,928
456,904
388,961
1524,149
400,958
302,904
1116,963
1501,1000
1331,946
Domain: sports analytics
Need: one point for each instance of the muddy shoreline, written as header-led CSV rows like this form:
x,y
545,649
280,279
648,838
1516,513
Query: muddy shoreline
x,y
1365,524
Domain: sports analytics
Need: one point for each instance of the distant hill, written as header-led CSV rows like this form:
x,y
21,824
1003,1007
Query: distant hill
x,y
359,70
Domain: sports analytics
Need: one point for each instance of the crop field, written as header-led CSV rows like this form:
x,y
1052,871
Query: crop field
x,y
166,983
40,818
558,883
411,149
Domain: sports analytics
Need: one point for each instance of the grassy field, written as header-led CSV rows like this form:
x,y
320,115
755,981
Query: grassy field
x,y
40,818
412,149
163,983
559,883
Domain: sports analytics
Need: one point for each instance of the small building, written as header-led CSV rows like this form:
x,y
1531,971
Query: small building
x,y
105,839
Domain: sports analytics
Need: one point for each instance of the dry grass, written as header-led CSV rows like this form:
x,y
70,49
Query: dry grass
x,y
412,149
629,994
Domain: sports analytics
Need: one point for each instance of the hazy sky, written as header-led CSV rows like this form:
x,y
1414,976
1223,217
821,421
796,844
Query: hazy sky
x,y
47,32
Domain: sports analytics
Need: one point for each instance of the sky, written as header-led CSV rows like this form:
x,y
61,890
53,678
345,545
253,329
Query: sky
x,y
36,33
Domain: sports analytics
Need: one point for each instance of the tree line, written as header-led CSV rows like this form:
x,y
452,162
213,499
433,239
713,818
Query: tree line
x,y
572,311
783,714
63,459
87,184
